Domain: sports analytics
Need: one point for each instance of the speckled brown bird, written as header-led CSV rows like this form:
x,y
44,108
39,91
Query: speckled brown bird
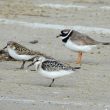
x,y
52,68
22,53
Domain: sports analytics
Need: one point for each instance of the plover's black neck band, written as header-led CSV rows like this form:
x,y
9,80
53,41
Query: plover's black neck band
x,y
65,40
68,35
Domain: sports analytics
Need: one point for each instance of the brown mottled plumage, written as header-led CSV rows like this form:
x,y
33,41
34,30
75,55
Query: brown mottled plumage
x,y
21,49
52,68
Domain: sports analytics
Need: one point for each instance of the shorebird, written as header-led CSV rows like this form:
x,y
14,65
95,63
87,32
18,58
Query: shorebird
x,y
78,42
52,68
19,52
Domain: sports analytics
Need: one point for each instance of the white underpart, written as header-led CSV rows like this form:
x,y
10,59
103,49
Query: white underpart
x,y
83,48
16,56
54,74
51,74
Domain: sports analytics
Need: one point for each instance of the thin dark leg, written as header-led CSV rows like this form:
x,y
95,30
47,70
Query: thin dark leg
x,y
22,66
51,82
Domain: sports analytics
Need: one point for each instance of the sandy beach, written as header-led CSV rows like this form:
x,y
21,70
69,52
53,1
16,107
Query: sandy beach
x,y
27,20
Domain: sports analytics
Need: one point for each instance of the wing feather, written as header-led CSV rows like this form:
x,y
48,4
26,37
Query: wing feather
x,y
82,39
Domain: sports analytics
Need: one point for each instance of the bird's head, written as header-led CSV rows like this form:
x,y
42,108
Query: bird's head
x,y
65,33
10,44
37,61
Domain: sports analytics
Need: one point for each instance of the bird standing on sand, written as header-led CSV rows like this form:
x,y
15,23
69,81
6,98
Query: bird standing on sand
x,y
78,42
52,68
21,53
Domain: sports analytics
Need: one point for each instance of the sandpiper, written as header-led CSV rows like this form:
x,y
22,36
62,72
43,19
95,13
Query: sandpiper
x,y
21,53
52,68
78,42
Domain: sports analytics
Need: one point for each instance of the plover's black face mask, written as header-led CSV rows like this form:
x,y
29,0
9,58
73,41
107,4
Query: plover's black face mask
x,y
64,33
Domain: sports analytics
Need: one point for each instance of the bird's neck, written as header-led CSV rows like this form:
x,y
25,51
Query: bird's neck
x,y
65,39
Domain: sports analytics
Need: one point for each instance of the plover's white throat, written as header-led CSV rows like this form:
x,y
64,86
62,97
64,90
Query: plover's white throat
x,y
21,53
51,68
78,42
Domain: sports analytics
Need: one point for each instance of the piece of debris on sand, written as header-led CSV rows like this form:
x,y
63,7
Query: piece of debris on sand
x,y
4,56
34,42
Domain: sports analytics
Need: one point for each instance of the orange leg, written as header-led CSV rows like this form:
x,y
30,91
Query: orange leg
x,y
79,58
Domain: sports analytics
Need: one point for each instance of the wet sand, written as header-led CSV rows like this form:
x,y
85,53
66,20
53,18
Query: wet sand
x,y
25,21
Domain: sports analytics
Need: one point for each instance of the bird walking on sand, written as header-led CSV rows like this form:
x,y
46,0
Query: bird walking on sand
x,y
21,53
79,42
52,68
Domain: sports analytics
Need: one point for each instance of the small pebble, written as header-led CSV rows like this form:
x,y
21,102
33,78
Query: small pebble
x,y
92,53
34,42
98,52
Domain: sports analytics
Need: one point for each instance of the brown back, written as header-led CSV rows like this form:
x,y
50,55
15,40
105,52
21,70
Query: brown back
x,y
82,39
